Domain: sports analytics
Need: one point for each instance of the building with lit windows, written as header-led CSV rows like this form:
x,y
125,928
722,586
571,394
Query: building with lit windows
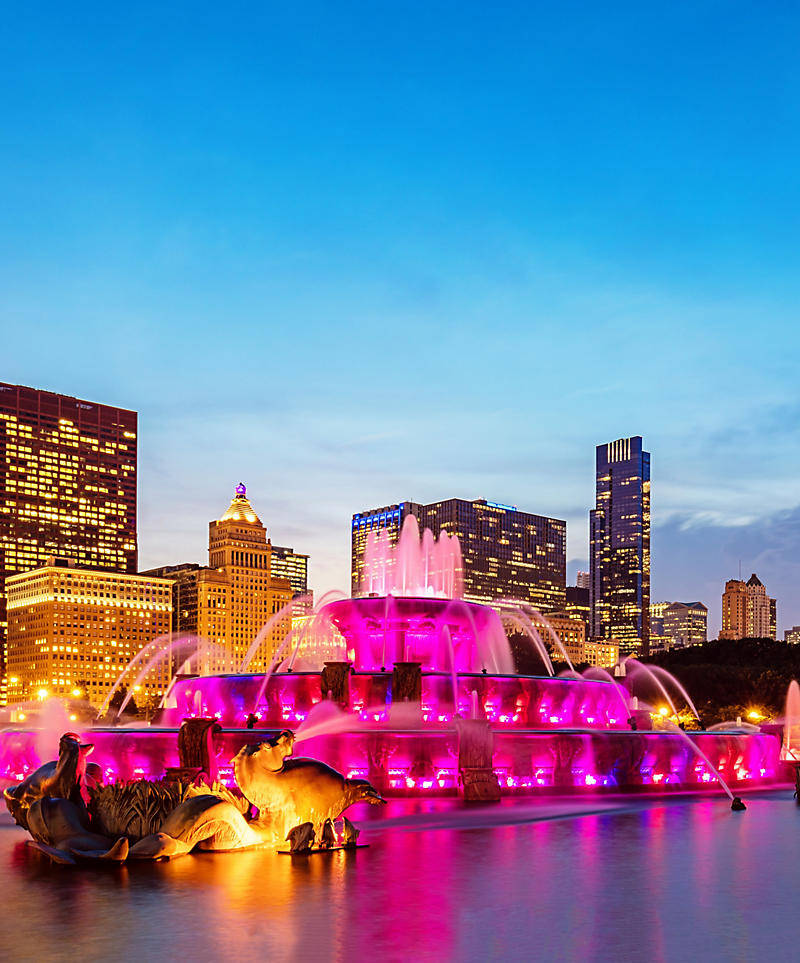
x,y
293,566
67,487
71,631
583,580
229,602
747,611
792,635
602,652
577,603
619,531
685,623
506,553
571,632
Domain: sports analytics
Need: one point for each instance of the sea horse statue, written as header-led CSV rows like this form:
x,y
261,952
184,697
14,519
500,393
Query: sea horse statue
x,y
72,816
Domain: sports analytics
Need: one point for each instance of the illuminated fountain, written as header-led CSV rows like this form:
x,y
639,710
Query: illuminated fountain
x,y
413,688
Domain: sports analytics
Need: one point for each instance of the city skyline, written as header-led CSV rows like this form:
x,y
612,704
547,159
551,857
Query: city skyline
x,y
185,549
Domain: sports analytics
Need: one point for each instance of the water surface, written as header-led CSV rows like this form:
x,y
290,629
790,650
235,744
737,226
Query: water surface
x,y
620,880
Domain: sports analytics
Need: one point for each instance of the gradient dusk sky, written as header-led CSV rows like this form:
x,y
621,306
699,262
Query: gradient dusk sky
x,y
357,253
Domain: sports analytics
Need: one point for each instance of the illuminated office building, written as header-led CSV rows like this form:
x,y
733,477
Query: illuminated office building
x,y
229,602
293,566
747,611
619,528
685,623
792,635
577,603
71,631
507,554
602,652
67,487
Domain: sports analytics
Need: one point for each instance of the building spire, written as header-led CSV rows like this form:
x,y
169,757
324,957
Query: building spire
x,y
240,509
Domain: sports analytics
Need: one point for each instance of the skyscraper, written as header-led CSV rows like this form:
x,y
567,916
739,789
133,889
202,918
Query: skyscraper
x,y
619,531
229,602
67,487
747,611
507,554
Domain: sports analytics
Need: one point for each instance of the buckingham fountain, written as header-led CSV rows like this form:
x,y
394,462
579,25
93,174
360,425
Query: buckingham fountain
x,y
417,696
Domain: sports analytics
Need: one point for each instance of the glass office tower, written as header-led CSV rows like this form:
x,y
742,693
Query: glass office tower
x,y
619,531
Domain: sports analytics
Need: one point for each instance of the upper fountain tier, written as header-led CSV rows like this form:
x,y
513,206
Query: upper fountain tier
x,y
411,609
415,567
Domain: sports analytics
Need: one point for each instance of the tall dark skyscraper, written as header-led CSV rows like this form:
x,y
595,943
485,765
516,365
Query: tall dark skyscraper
x,y
507,554
619,532
67,487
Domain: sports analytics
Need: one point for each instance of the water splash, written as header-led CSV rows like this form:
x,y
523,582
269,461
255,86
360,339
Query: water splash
x,y
414,567
790,749
670,679
635,668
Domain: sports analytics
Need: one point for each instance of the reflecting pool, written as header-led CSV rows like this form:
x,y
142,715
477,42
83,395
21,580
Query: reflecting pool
x,y
620,878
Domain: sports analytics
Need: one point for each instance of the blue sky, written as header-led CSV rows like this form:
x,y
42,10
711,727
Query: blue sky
x,y
357,253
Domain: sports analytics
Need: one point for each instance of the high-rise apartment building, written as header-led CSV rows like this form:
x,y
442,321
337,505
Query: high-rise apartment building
x,y
71,631
67,487
619,528
685,623
506,553
229,602
747,611
583,580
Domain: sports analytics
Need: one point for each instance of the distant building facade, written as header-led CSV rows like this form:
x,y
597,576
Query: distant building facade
x,y
747,610
293,566
792,635
67,487
72,631
601,652
577,603
583,580
685,623
507,554
619,528
571,632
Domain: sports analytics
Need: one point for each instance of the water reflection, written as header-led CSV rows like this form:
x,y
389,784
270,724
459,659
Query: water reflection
x,y
652,881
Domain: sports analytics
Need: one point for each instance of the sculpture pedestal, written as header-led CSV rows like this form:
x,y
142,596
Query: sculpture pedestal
x,y
476,776
335,683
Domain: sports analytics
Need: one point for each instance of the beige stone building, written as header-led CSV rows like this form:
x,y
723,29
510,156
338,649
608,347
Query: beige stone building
x,y
747,611
237,594
71,631
572,633
602,652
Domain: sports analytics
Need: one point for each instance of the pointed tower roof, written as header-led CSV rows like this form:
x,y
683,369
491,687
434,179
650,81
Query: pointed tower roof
x,y
240,509
754,580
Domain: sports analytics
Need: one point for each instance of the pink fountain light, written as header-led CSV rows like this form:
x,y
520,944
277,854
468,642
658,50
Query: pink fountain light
x,y
390,683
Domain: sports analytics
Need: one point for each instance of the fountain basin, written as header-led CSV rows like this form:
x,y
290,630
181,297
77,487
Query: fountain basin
x,y
421,762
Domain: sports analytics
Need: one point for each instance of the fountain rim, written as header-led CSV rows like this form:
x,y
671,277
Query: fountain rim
x,y
387,673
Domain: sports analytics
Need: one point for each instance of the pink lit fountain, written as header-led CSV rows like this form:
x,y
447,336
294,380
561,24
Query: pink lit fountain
x,y
413,688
